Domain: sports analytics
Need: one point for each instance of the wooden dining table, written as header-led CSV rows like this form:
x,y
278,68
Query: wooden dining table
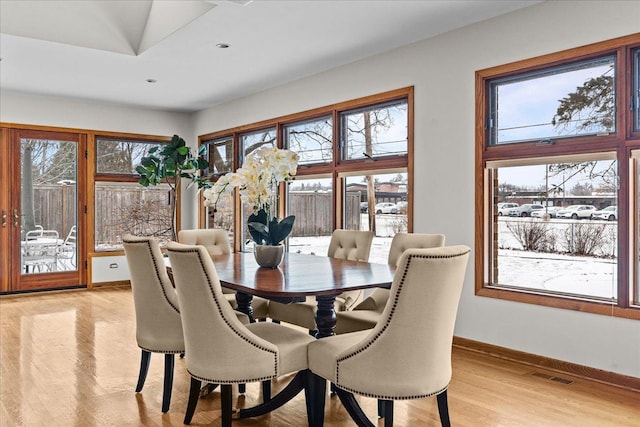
x,y
297,277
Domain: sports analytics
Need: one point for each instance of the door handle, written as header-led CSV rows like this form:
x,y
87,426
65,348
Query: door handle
x,y
4,219
16,218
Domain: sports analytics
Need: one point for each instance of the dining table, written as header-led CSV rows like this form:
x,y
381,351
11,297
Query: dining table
x,y
297,277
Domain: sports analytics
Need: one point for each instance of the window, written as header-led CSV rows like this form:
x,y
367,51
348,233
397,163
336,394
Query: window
x,y
545,104
220,155
331,143
312,140
555,172
122,206
635,95
375,131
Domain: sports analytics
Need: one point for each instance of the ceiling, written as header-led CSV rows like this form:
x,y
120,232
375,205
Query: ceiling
x,y
107,50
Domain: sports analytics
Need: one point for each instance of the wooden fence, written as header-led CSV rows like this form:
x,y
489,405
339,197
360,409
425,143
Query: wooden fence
x,y
122,209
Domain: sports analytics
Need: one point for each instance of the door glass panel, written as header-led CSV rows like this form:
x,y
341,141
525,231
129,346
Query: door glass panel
x,y
48,205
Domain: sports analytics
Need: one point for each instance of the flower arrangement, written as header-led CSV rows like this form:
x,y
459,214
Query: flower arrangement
x,y
257,182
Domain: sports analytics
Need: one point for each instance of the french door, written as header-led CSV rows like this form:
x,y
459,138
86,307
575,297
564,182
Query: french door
x,y
42,207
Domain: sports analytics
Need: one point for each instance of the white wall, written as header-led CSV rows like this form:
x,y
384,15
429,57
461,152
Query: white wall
x,y
442,71
67,113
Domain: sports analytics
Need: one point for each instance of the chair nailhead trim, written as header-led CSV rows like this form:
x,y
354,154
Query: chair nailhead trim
x,y
148,244
162,351
219,381
384,328
209,282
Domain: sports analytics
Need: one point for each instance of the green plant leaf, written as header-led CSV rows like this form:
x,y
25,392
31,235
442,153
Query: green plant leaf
x,y
183,150
260,217
259,233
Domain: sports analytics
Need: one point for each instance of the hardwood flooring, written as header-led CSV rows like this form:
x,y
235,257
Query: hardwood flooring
x,y
70,359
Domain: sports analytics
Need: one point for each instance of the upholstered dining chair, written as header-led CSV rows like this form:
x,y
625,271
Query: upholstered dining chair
x,y
220,349
365,315
344,244
216,242
408,354
158,324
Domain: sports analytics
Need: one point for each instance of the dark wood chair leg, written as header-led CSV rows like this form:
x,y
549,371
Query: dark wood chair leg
x,y
380,408
168,381
227,404
443,409
353,408
315,399
194,392
242,388
387,406
144,368
266,391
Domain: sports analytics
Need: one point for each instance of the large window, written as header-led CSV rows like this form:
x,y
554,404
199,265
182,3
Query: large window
x,y
339,147
122,206
555,174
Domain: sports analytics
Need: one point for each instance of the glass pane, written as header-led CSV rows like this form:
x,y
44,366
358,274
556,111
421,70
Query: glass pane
x,y
120,156
127,207
312,141
636,90
220,155
223,217
249,142
555,228
375,132
311,201
561,102
389,214
48,205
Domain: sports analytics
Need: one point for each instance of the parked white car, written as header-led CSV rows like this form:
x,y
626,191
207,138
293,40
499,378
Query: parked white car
x,y
504,208
609,214
551,210
525,210
577,211
386,208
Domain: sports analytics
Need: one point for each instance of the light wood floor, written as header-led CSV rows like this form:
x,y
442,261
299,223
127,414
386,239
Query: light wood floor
x,y
70,359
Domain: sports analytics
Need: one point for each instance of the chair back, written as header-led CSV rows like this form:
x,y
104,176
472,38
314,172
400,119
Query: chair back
x,y
158,325
350,244
219,348
410,348
403,241
215,240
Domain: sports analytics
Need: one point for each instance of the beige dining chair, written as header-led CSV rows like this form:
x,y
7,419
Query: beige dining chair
x,y
366,314
158,324
216,242
391,361
345,244
219,348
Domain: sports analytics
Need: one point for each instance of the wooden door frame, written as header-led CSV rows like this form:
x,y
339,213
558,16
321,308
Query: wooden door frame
x,y
17,281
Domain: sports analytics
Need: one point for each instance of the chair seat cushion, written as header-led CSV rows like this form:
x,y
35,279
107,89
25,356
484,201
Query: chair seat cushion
x,y
259,305
292,345
355,320
323,353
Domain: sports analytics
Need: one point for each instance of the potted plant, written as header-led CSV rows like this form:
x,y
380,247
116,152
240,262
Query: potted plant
x,y
257,182
173,162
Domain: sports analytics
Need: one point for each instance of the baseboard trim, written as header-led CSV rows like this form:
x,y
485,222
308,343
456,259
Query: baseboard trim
x,y
110,284
585,372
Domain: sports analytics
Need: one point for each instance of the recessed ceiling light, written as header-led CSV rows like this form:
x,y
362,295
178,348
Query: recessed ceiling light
x,y
151,81
223,45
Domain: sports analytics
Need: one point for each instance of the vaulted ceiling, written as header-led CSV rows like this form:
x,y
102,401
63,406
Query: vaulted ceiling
x,y
170,55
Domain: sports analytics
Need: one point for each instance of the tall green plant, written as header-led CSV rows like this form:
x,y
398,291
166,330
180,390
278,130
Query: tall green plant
x,y
169,163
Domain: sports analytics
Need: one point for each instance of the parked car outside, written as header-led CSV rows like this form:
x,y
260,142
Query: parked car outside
x,y
577,212
609,214
503,208
386,208
551,210
525,210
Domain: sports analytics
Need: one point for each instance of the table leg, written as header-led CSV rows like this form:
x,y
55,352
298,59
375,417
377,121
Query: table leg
x,y
325,315
244,304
